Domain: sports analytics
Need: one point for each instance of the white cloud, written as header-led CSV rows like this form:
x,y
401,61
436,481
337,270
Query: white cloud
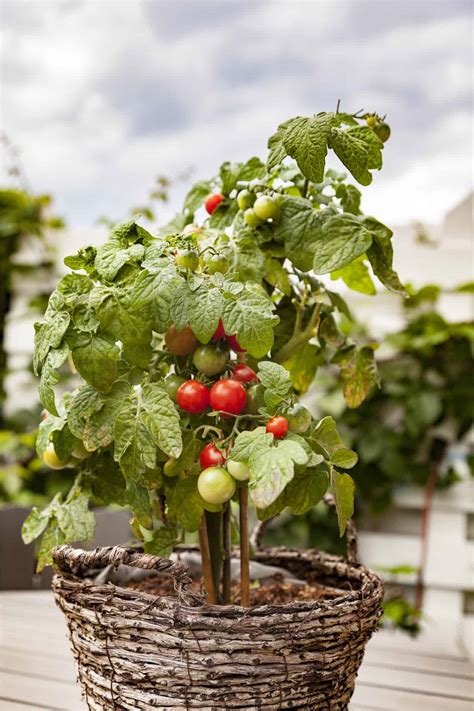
x,y
101,96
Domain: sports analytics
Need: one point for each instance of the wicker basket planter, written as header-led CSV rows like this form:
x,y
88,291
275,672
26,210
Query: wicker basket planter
x,y
135,651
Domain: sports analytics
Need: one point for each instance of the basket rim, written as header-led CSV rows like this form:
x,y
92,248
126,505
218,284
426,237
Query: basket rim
x,y
371,586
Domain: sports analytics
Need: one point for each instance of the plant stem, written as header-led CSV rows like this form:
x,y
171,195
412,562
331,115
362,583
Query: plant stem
x,y
206,561
214,535
244,548
226,572
304,192
300,337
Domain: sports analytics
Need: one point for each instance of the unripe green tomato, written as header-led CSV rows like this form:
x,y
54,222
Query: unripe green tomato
x,y
251,407
51,459
172,384
382,131
188,259
251,218
217,263
168,467
239,470
80,452
266,208
299,418
245,199
210,359
216,485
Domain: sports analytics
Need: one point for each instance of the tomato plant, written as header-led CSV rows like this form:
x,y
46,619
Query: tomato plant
x,y
195,302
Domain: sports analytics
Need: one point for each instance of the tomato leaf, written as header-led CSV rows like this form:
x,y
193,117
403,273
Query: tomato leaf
x,y
50,377
380,255
161,419
358,372
251,317
342,487
356,276
272,468
276,381
95,356
162,542
344,239
304,492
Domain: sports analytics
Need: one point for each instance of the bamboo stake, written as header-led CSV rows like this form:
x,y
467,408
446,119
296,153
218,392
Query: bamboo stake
x,y
226,573
206,561
244,548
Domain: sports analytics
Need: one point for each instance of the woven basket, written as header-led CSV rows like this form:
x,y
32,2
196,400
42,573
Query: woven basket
x,y
135,651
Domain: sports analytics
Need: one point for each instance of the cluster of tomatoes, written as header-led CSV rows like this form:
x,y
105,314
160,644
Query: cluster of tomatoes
x,y
378,126
257,210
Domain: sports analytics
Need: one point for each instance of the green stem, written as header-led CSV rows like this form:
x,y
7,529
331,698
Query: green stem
x,y
304,192
299,337
214,533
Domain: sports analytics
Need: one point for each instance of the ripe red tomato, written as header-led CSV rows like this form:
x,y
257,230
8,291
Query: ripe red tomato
x,y
211,456
229,396
244,374
234,344
277,426
193,397
212,202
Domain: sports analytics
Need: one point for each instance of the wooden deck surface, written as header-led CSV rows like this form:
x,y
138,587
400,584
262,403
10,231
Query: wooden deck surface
x,y
429,673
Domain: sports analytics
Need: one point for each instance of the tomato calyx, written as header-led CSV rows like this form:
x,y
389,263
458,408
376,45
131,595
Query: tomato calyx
x,y
212,202
277,426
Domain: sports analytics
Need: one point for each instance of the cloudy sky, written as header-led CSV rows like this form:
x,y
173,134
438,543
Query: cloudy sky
x,y
102,95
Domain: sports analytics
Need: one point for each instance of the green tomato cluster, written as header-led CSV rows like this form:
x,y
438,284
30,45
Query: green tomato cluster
x,y
258,210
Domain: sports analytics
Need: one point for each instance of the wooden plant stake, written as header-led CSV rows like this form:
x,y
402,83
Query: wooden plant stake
x,y
206,562
244,548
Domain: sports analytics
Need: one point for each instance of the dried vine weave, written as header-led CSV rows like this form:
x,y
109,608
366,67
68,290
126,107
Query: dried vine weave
x,y
134,651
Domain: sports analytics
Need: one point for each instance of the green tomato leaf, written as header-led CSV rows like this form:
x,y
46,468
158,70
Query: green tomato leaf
x,y
304,492
82,405
325,438
271,469
161,418
204,309
380,255
344,458
356,276
95,356
344,238
276,381
303,365
73,286
249,443
99,422
251,317
185,504
350,198
276,275
305,140
358,372
196,196
48,335
300,229
75,520
163,541
134,448
329,331
52,537
356,151
342,487
117,251
50,377
37,521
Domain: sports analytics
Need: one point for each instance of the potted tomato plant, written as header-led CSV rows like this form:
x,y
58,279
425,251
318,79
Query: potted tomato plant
x,y
194,345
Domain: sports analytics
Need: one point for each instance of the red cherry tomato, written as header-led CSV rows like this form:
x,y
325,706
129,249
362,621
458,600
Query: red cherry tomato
x,y
244,374
220,332
234,344
212,202
193,397
277,426
228,396
211,456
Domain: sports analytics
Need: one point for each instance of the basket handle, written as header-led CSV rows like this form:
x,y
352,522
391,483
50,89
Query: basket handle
x,y
74,561
351,533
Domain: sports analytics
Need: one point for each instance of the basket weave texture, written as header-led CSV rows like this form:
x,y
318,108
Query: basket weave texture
x,y
135,651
